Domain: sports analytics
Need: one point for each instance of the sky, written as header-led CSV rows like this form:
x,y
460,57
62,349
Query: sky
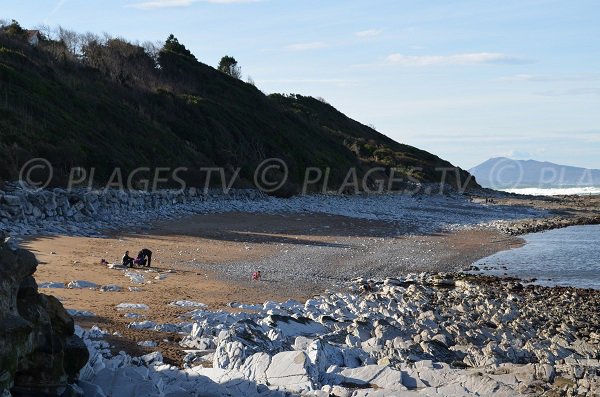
x,y
465,80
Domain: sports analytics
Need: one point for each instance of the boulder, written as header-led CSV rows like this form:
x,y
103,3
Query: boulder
x,y
39,352
292,370
255,367
12,200
230,354
323,355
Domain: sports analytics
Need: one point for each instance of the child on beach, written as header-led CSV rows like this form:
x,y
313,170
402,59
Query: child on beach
x,y
256,276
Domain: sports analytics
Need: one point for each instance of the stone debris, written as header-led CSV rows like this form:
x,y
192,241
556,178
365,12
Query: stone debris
x,y
81,212
186,303
84,212
51,284
136,278
421,335
81,284
147,343
111,288
80,313
133,315
132,306
547,223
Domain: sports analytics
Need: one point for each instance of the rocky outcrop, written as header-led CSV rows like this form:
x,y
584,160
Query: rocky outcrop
x,y
539,225
419,335
39,353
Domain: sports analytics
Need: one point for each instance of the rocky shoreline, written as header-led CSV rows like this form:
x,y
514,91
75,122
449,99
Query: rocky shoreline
x,y
84,212
519,228
420,334
425,334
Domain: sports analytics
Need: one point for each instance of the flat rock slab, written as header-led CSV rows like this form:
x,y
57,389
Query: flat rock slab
x,y
133,306
186,303
78,284
51,284
379,376
290,369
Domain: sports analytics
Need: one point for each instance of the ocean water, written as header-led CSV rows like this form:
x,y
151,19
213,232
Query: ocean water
x,y
566,257
557,191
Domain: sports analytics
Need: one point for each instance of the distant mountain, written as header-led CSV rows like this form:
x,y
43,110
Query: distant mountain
x,y
505,173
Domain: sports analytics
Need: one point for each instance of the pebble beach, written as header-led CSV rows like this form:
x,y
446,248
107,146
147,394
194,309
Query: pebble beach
x,y
360,296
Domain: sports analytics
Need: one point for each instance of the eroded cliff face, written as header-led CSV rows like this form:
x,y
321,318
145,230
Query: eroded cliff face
x,y
39,353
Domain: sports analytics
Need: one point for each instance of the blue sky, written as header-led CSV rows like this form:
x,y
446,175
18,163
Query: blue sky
x,y
466,80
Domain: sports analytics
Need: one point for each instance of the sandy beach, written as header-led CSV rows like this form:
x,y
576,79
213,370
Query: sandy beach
x,y
198,258
355,285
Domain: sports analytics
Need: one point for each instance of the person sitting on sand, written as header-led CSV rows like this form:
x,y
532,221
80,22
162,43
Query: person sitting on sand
x,y
141,258
127,261
256,276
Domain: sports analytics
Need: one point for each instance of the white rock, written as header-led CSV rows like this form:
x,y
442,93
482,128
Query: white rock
x,y
80,313
290,326
229,355
110,288
147,343
292,370
255,367
154,357
135,278
133,306
322,355
142,325
51,284
80,284
380,376
185,303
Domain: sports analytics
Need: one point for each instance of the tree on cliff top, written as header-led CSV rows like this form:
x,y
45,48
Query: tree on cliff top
x,y
229,65
173,56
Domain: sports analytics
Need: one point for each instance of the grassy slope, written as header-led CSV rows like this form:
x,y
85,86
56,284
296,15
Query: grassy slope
x,y
76,116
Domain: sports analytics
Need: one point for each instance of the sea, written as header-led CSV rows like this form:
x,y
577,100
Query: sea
x,y
564,257
556,191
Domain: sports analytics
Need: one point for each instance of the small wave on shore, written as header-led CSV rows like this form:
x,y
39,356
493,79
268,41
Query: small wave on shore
x,y
556,191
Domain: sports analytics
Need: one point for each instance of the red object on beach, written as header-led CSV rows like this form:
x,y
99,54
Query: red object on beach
x,y
256,276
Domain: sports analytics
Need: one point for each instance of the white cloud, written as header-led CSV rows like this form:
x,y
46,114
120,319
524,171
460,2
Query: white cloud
x,y
306,46
309,81
344,83
552,78
148,5
514,154
572,91
368,33
454,59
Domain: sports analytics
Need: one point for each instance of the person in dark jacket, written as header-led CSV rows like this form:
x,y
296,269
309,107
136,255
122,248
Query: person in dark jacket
x,y
144,258
127,260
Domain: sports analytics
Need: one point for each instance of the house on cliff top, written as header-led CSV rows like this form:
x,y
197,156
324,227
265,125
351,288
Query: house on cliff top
x,y
33,37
